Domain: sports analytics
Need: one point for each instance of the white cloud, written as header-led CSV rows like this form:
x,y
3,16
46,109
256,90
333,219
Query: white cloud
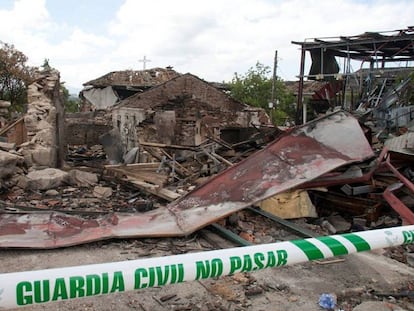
x,y
216,38
26,17
212,39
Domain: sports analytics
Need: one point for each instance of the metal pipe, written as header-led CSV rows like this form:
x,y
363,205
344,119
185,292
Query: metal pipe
x,y
300,88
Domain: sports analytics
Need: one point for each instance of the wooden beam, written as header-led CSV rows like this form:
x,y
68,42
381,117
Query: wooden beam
x,y
158,145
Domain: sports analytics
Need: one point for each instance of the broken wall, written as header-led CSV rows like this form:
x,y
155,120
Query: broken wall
x,y
44,122
183,111
85,128
126,120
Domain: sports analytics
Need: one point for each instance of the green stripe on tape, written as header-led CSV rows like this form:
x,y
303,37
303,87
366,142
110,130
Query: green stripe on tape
x,y
359,243
311,251
336,247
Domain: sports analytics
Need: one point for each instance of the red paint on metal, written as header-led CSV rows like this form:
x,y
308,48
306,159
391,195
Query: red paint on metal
x,y
397,205
295,158
394,202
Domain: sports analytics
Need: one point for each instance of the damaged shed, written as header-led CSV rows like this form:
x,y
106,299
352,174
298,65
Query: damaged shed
x,y
378,88
185,111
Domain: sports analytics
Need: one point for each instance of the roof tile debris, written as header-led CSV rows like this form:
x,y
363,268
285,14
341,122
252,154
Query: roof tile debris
x,y
134,78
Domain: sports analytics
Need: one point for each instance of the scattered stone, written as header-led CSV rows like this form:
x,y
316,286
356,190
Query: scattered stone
x,y
102,192
385,221
264,239
37,155
48,178
245,226
293,298
7,146
410,259
247,236
69,190
254,291
168,297
340,224
223,291
83,179
9,163
240,278
233,219
52,193
359,223
5,104
53,203
328,227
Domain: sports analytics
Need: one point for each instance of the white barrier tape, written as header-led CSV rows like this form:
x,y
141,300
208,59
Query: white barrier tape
x,y
42,286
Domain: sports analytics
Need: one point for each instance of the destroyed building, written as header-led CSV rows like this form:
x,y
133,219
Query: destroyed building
x,y
115,86
324,177
378,89
185,111
100,94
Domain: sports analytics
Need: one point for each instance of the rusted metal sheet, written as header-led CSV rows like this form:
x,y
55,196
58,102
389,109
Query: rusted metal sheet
x,y
295,158
302,155
405,213
53,229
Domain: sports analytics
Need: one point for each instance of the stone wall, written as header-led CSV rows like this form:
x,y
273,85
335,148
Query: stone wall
x,y
44,122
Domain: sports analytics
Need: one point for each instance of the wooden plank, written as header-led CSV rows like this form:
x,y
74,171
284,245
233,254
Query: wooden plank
x,y
135,165
148,176
155,190
181,170
158,145
222,159
159,158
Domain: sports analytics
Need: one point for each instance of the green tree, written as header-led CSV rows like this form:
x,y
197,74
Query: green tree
x,y
255,88
15,76
71,103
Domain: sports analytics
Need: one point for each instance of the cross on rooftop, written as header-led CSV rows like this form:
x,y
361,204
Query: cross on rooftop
x,y
144,61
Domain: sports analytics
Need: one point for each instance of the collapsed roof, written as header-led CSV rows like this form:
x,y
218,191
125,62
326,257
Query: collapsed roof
x,y
394,46
134,78
374,48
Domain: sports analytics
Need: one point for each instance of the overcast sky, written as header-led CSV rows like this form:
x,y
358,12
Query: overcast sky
x,y
212,39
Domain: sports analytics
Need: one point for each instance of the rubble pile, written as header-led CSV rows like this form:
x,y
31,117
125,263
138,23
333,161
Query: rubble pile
x,y
343,186
331,175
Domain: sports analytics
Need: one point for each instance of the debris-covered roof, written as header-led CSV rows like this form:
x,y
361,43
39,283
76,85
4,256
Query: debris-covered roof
x,y
394,45
198,88
134,78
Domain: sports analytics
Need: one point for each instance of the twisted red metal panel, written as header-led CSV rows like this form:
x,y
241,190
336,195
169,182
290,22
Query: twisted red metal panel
x,y
297,157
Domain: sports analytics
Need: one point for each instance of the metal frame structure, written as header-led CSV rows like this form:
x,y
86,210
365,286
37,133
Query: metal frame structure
x,y
375,48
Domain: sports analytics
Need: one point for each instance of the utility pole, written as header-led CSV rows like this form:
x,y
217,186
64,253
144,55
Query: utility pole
x,y
272,99
144,61
274,78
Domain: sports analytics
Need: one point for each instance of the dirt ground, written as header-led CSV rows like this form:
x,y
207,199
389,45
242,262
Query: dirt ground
x,y
354,278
